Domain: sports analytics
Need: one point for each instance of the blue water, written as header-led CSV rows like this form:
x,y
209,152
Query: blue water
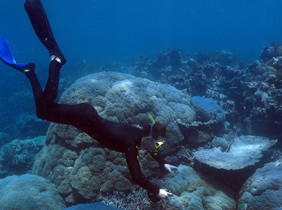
x,y
98,30
118,30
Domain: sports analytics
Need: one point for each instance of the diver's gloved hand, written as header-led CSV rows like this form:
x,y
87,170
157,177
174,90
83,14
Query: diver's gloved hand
x,y
171,168
164,193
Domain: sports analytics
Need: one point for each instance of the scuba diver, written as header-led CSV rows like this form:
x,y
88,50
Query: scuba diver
x,y
115,136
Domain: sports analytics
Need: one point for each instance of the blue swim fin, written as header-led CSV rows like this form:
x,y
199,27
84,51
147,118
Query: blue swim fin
x,y
7,57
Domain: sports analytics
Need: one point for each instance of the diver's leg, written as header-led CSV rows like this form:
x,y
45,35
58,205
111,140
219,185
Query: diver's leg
x,y
41,26
51,88
81,116
46,109
35,85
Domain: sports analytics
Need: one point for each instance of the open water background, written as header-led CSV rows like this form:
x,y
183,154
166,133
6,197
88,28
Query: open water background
x,y
95,31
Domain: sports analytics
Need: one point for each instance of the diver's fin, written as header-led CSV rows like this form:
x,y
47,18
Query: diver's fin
x,y
42,28
7,57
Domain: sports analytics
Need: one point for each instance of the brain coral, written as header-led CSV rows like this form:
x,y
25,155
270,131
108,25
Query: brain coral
x,y
77,164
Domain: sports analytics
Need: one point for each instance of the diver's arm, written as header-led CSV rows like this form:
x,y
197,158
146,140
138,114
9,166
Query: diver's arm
x,y
160,159
154,192
135,171
163,166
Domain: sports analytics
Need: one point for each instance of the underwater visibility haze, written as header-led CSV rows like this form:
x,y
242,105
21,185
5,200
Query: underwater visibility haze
x,y
210,71
116,29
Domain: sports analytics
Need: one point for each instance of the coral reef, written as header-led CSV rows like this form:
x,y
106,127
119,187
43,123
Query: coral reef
x,y
136,199
242,151
30,126
4,138
191,191
18,117
210,120
29,192
79,166
263,190
17,157
250,96
229,100
207,109
95,206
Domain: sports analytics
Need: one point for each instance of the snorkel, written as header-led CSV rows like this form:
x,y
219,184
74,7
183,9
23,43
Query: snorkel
x,y
156,143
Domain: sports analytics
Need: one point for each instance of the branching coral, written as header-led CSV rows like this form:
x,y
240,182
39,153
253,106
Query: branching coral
x,y
136,199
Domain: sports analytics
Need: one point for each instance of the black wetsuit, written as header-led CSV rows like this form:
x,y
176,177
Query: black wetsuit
x,y
116,136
